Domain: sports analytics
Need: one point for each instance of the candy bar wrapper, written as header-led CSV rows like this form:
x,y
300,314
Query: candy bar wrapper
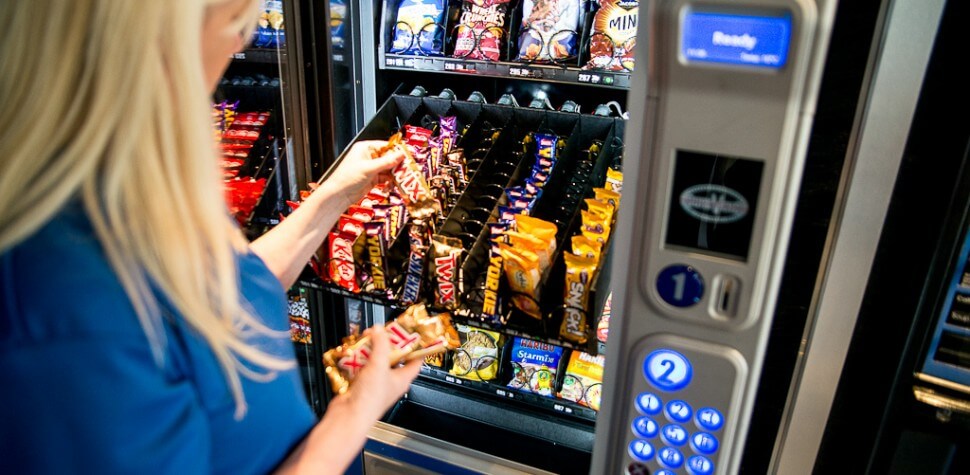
x,y
414,334
580,273
608,196
361,213
414,189
534,366
583,382
492,300
376,255
446,254
342,269
414,277
449,133
523,275
586,247
614,180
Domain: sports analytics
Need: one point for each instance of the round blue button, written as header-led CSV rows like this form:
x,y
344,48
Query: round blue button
x,y
678,411
667,370
673,434
641,450
703,443
709,418
664,472
670,457
649,404
645,427
700,465
680,285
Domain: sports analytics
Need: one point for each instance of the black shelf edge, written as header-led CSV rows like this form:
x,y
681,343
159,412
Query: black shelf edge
x,y
261,56
538,72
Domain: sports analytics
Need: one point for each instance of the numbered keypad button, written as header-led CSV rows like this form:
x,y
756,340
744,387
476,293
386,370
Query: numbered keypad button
x,y
649,404
680,285
641,450
667,370
673,434
670,457
678,411
703,443
637,468
664,472
709,419
645,427
700,465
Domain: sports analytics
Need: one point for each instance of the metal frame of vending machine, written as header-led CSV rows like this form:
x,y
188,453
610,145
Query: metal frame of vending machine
x,y
697,313
724,121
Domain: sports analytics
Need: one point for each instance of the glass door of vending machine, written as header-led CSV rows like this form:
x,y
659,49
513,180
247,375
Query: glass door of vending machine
x,y
754,170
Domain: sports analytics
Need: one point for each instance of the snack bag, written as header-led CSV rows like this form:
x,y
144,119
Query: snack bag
x,y
414,334
338,11
420,28
580,274
614,36
583,382
549,29
534,366
481,30
477,358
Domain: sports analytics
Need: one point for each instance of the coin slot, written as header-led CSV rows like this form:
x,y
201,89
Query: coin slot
x,y
726,292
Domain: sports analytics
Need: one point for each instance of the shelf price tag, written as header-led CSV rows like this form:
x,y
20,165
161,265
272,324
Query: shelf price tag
x,y
525,73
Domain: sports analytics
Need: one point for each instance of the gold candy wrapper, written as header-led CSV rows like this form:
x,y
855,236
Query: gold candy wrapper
x,y
413,335
580,274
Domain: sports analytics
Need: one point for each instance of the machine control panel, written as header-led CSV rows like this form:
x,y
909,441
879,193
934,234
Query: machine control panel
x,y
677,416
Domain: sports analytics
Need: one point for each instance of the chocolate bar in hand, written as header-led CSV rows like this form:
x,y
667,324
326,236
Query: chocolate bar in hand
x,y
414,334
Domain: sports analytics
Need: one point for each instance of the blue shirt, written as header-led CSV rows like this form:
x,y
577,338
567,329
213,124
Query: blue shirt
x,y
80,390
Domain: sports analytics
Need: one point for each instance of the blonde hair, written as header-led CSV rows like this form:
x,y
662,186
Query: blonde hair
x,y
106,100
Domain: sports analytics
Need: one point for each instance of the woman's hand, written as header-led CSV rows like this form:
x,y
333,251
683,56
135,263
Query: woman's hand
x,y
359,171
378,386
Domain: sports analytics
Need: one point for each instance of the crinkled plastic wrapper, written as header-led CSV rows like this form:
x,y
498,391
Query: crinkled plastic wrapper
x,y
614,36
414,334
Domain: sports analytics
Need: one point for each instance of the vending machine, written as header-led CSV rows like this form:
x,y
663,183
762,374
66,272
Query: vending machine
x,y
729,163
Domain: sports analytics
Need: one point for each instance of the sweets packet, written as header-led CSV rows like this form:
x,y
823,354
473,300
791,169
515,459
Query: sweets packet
x,y
477,358
534,366
481,30
549,29
583,381
413,334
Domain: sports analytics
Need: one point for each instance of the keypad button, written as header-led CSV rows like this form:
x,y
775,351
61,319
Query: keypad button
x,y
678,411
709,419
664,472
667,370
703,443
680,285
637,468
649,404
670,457
700,465
641,450
673,434
645,427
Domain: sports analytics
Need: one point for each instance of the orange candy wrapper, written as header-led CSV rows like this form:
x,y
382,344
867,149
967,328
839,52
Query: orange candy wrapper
x,y
413,335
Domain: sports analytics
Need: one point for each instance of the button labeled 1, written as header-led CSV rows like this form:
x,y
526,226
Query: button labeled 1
x,y
680,285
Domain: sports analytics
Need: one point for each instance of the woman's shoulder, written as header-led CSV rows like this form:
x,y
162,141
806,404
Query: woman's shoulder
x,y
58,283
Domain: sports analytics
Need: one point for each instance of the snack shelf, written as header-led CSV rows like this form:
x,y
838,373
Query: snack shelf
x,y
530,71
550,404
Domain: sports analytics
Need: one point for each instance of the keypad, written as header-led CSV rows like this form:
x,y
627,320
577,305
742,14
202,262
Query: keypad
x,y
667,430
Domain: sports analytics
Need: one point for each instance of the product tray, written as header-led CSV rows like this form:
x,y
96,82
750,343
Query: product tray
x,y
515,122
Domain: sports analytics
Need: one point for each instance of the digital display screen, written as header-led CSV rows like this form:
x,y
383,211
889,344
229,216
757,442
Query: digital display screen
x,y
948,354
713,203
743,40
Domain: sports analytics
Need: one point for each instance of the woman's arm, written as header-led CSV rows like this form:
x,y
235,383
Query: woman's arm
x,y
339,437
288,247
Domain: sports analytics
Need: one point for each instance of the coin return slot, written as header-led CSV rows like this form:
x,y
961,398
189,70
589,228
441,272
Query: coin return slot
x,y
726,292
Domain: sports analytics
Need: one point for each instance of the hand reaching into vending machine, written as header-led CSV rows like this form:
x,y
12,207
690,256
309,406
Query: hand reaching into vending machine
x,y
286,248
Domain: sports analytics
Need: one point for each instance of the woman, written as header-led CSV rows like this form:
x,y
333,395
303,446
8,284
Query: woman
x,y
139,331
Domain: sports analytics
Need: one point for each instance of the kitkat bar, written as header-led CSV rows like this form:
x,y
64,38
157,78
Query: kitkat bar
x,y
414,334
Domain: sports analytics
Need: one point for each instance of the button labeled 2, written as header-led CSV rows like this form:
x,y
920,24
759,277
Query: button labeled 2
x,y
667,370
